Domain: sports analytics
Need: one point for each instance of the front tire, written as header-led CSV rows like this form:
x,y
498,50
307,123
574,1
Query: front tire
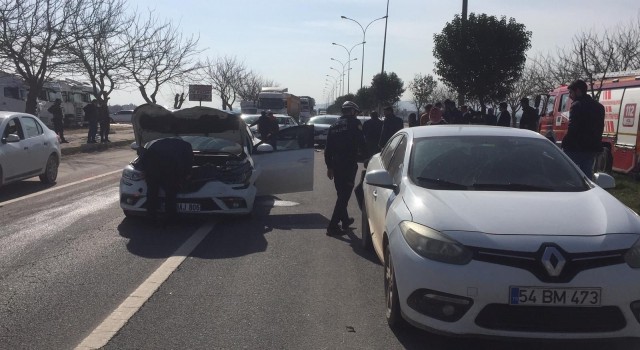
x,y
367,244
51,170
393,314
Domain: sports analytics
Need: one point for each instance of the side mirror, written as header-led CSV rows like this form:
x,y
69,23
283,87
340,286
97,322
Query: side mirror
x,y
605,181
265,148
11,138
380,178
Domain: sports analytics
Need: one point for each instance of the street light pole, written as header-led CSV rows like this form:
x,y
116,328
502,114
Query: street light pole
x,y
340,80
349,58
364,37
384,46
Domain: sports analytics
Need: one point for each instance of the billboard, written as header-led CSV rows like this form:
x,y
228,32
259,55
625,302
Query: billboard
x,y
200,92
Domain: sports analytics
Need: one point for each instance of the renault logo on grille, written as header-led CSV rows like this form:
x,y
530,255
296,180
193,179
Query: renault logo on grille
x,y
553,261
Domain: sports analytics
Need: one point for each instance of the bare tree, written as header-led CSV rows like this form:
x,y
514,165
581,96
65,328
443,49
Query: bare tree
x,y
422,87
441,93
524,87
158,54
34,32
249,87
225,75
98,45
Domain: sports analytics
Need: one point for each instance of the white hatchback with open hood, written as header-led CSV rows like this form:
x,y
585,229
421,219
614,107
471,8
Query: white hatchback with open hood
x,y
230,167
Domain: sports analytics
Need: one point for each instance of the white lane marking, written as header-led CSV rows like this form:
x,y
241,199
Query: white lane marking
x,y
100,336
55,188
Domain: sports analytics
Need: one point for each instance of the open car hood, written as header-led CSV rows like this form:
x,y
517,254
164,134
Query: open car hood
x,y
151,122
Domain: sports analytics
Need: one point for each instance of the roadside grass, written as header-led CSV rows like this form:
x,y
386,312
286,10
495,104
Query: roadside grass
x,y
627,191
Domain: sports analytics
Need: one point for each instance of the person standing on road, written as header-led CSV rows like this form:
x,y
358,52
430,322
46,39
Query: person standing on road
x,y
345,141
372,130
490,118
91,115
583,140
390,125
504,117
274,128
166,164
529,119
424,118
58,119
105,121
413,120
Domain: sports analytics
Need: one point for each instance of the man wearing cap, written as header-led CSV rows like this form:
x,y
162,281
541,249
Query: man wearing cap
x,y
345,142
529,119
583,140
390,125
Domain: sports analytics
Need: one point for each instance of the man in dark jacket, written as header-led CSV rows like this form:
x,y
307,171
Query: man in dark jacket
x,y
58,119
166,164
105,122
583,140
345,141
372,130
390,125
504,117
91,116
529,119
452,114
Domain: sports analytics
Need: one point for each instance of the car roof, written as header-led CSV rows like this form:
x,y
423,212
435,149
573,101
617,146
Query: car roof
x,y
9,114
469,130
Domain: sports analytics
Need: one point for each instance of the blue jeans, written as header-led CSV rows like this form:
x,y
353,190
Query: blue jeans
x,y
584,161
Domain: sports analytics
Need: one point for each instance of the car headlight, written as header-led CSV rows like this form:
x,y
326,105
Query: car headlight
x,y
434,245
632,256
132,174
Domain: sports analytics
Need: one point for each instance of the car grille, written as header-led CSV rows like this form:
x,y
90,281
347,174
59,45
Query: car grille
x,y
532,261
551,319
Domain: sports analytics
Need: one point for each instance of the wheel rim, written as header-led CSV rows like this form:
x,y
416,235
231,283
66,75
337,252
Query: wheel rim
x,y
388,282
52,169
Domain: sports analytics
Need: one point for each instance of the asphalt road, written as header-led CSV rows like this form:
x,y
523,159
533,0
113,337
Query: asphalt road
x,y
69,258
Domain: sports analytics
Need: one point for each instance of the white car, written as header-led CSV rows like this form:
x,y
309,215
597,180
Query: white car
x,y
123,116
321,125
231,166
494,231
284,121
28,148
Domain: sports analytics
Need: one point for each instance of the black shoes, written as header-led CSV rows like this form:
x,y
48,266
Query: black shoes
x,y
334,231
345,225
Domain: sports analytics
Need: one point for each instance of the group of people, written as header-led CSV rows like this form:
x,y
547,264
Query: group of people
x,y
348,140
94,113
448,113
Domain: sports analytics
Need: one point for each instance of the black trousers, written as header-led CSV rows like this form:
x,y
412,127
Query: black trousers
x,y
58,127
344,180
157,178
104,131
93,129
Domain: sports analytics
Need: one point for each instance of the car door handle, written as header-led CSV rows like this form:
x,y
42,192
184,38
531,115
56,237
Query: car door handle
x,y
46,143
304,160
375,193
25,148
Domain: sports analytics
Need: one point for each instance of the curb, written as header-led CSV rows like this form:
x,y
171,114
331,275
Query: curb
x,y
93,147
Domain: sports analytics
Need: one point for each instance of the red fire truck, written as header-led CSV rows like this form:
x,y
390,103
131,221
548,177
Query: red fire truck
x,y
620,96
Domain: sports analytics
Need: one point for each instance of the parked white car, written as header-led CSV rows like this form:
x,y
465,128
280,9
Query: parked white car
x,y
321,125
494,231
123,116
27,149
231,166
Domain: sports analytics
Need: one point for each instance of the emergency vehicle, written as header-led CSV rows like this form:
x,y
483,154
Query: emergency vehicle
x,y
620,96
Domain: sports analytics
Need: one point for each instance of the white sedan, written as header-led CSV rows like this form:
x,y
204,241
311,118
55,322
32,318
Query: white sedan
x,y
231,166
27,148
494,231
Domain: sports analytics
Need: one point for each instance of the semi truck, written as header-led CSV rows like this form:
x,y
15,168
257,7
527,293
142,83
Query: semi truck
x,y
279,101
307,108
13,95
74,95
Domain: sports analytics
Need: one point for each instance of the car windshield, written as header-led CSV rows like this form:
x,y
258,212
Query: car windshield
x,y
323,120
493,163
250,119
209,144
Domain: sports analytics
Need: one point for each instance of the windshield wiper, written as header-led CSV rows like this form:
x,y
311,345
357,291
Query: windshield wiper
x,y
511,187
443,183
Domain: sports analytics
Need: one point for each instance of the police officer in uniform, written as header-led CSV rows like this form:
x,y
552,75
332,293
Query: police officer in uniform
x,y
345,143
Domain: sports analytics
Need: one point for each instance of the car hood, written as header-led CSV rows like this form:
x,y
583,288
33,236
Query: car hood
x,y
589,213
151,122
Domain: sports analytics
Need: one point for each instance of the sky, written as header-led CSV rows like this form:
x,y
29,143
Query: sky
x,y
290,41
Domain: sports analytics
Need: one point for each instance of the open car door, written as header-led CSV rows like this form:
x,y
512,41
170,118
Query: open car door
x,y
288,168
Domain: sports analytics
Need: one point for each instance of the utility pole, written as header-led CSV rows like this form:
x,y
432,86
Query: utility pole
x,y
384,46
463,39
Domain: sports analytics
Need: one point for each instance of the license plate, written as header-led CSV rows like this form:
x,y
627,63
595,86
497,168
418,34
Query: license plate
x,y
188,207
554,296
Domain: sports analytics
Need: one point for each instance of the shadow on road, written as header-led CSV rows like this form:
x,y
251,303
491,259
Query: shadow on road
x,y
22,188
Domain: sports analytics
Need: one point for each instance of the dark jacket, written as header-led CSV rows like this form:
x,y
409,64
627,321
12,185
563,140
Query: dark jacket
x,y
56,111
490,119
586,124
90,112
345,144
529,119
504,118
390,125
169,156
372,130
454,116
